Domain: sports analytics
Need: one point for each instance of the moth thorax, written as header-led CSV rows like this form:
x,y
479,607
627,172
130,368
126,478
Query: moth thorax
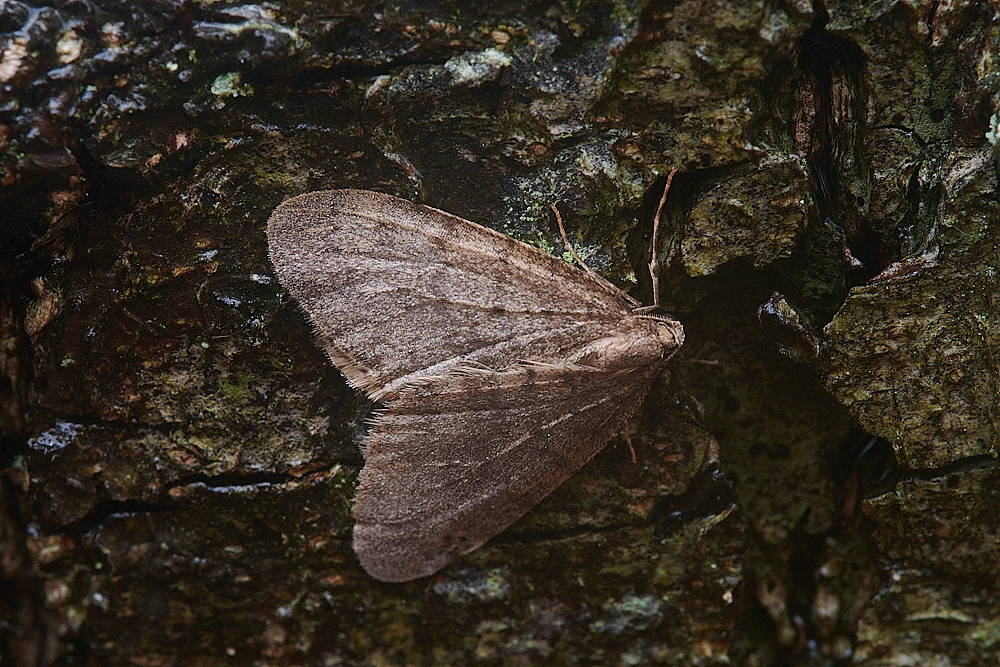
x,y
633,344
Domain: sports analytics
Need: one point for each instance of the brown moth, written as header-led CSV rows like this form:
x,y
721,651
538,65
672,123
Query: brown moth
x,y
502,369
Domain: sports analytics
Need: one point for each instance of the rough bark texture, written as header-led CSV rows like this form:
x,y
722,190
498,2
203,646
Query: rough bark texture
x,y
182,458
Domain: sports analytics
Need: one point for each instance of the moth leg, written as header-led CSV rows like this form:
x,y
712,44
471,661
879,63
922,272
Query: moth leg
x,y
628,441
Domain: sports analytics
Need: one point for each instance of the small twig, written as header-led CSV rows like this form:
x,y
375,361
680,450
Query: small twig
x,y
654,265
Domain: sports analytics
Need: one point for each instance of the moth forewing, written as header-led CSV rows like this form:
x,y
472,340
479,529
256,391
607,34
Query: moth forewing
x,y
456,460
502,369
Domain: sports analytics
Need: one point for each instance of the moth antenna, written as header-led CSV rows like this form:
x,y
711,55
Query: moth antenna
x,y
569,246
654,266
590,271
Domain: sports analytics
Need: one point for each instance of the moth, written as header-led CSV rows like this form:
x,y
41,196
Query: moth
x,y
501,369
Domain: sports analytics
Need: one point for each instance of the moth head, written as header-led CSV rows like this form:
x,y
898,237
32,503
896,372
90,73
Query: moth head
x,y
670,333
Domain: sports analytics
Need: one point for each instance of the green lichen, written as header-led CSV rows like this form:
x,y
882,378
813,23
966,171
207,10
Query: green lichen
x,y
475,68
231,84
235,389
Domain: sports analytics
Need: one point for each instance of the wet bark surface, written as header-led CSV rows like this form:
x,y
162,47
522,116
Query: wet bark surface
x,y
815,477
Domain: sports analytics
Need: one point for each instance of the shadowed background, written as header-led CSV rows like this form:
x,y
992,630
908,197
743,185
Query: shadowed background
x,y
181,457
